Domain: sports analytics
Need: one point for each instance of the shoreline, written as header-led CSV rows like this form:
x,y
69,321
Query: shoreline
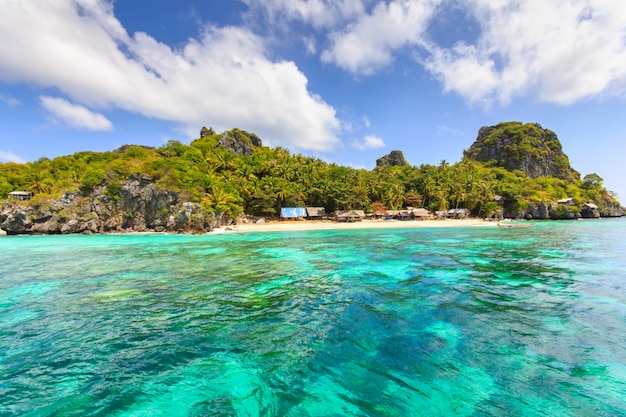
x,y
306,225
311,225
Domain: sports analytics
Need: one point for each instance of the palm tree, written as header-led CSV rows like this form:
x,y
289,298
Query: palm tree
x,y
394,197
225,161
245,171
441,200
38,181
458,194
430,187
218,197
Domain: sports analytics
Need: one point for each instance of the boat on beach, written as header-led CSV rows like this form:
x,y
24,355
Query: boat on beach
x,y
513,225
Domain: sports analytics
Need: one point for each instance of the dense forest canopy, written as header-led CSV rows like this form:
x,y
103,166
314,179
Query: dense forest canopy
x,y
231,172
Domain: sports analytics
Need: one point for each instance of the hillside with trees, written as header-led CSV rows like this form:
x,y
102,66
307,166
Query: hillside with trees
x,y
219,177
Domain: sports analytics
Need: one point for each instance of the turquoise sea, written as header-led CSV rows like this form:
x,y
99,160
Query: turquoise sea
x,y
412,322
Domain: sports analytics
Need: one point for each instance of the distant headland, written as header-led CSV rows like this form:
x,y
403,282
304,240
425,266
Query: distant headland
x,y
511,170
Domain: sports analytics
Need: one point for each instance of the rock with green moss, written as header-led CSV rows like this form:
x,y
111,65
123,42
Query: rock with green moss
x,y
393,158
526,147
239,141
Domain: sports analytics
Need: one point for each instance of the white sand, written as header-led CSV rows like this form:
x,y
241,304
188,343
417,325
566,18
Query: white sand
x,y
365,224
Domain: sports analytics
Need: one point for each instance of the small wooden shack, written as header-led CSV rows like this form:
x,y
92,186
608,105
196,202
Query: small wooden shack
x,y
566,201
590,211
349,215
421,214
400,214
20,195
458,213
316,213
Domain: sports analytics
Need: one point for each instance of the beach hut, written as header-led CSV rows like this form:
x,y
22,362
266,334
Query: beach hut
x,y
316,213
403,215
292,213
378,214
590,211
458,213
421,214
566,201
349,215
20,195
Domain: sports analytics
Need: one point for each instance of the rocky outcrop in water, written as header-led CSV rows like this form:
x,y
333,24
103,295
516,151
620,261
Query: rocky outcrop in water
x,y
139,207
568,210
526,147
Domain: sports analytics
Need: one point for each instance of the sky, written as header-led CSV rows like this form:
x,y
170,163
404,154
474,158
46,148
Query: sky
x,y
347,81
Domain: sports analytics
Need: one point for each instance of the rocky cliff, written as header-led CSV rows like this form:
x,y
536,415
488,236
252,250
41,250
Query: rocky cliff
x,y
239,141
393,158
567,210
526,147
139,207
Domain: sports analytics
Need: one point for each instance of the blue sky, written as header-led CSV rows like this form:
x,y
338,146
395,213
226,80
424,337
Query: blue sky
x,y
346,80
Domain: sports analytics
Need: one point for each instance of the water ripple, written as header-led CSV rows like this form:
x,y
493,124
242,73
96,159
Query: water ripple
x,y
356,323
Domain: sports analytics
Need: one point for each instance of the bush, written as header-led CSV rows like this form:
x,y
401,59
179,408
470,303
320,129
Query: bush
x,y
91,178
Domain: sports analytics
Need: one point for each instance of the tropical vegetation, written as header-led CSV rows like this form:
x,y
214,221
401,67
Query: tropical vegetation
x,y
262,181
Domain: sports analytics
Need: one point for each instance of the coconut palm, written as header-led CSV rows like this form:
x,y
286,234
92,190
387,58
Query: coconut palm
x,y
38,181
218,197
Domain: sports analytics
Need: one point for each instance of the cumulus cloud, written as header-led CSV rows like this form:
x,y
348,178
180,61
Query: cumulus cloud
x,y
223,79
553,51
559,52
318,13
368,44
8,156
369,142
74,115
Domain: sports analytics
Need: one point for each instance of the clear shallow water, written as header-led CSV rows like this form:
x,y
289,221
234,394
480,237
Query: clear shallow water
x,y
464,322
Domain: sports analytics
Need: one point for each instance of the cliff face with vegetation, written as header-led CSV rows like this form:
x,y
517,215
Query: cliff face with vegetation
x,y
220,176
139,207
530,148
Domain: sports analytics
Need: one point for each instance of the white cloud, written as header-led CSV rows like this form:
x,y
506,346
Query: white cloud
x,y
369,142
223,79
309,44
318,13
8,156
10,101
560,52
368,44
74,115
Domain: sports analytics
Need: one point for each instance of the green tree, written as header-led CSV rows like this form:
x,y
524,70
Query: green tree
x,y
39,181
91,178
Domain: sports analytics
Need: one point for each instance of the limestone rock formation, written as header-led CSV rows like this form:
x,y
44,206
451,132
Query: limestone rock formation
x,y
204,132
526,147
140,207
239,141
393,158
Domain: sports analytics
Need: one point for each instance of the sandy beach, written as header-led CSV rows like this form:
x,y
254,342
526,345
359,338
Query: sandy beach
x,y
276,226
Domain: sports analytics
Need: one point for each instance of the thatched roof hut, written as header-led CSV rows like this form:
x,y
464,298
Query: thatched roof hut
x,y
458,213
421,213
349,215
316,212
